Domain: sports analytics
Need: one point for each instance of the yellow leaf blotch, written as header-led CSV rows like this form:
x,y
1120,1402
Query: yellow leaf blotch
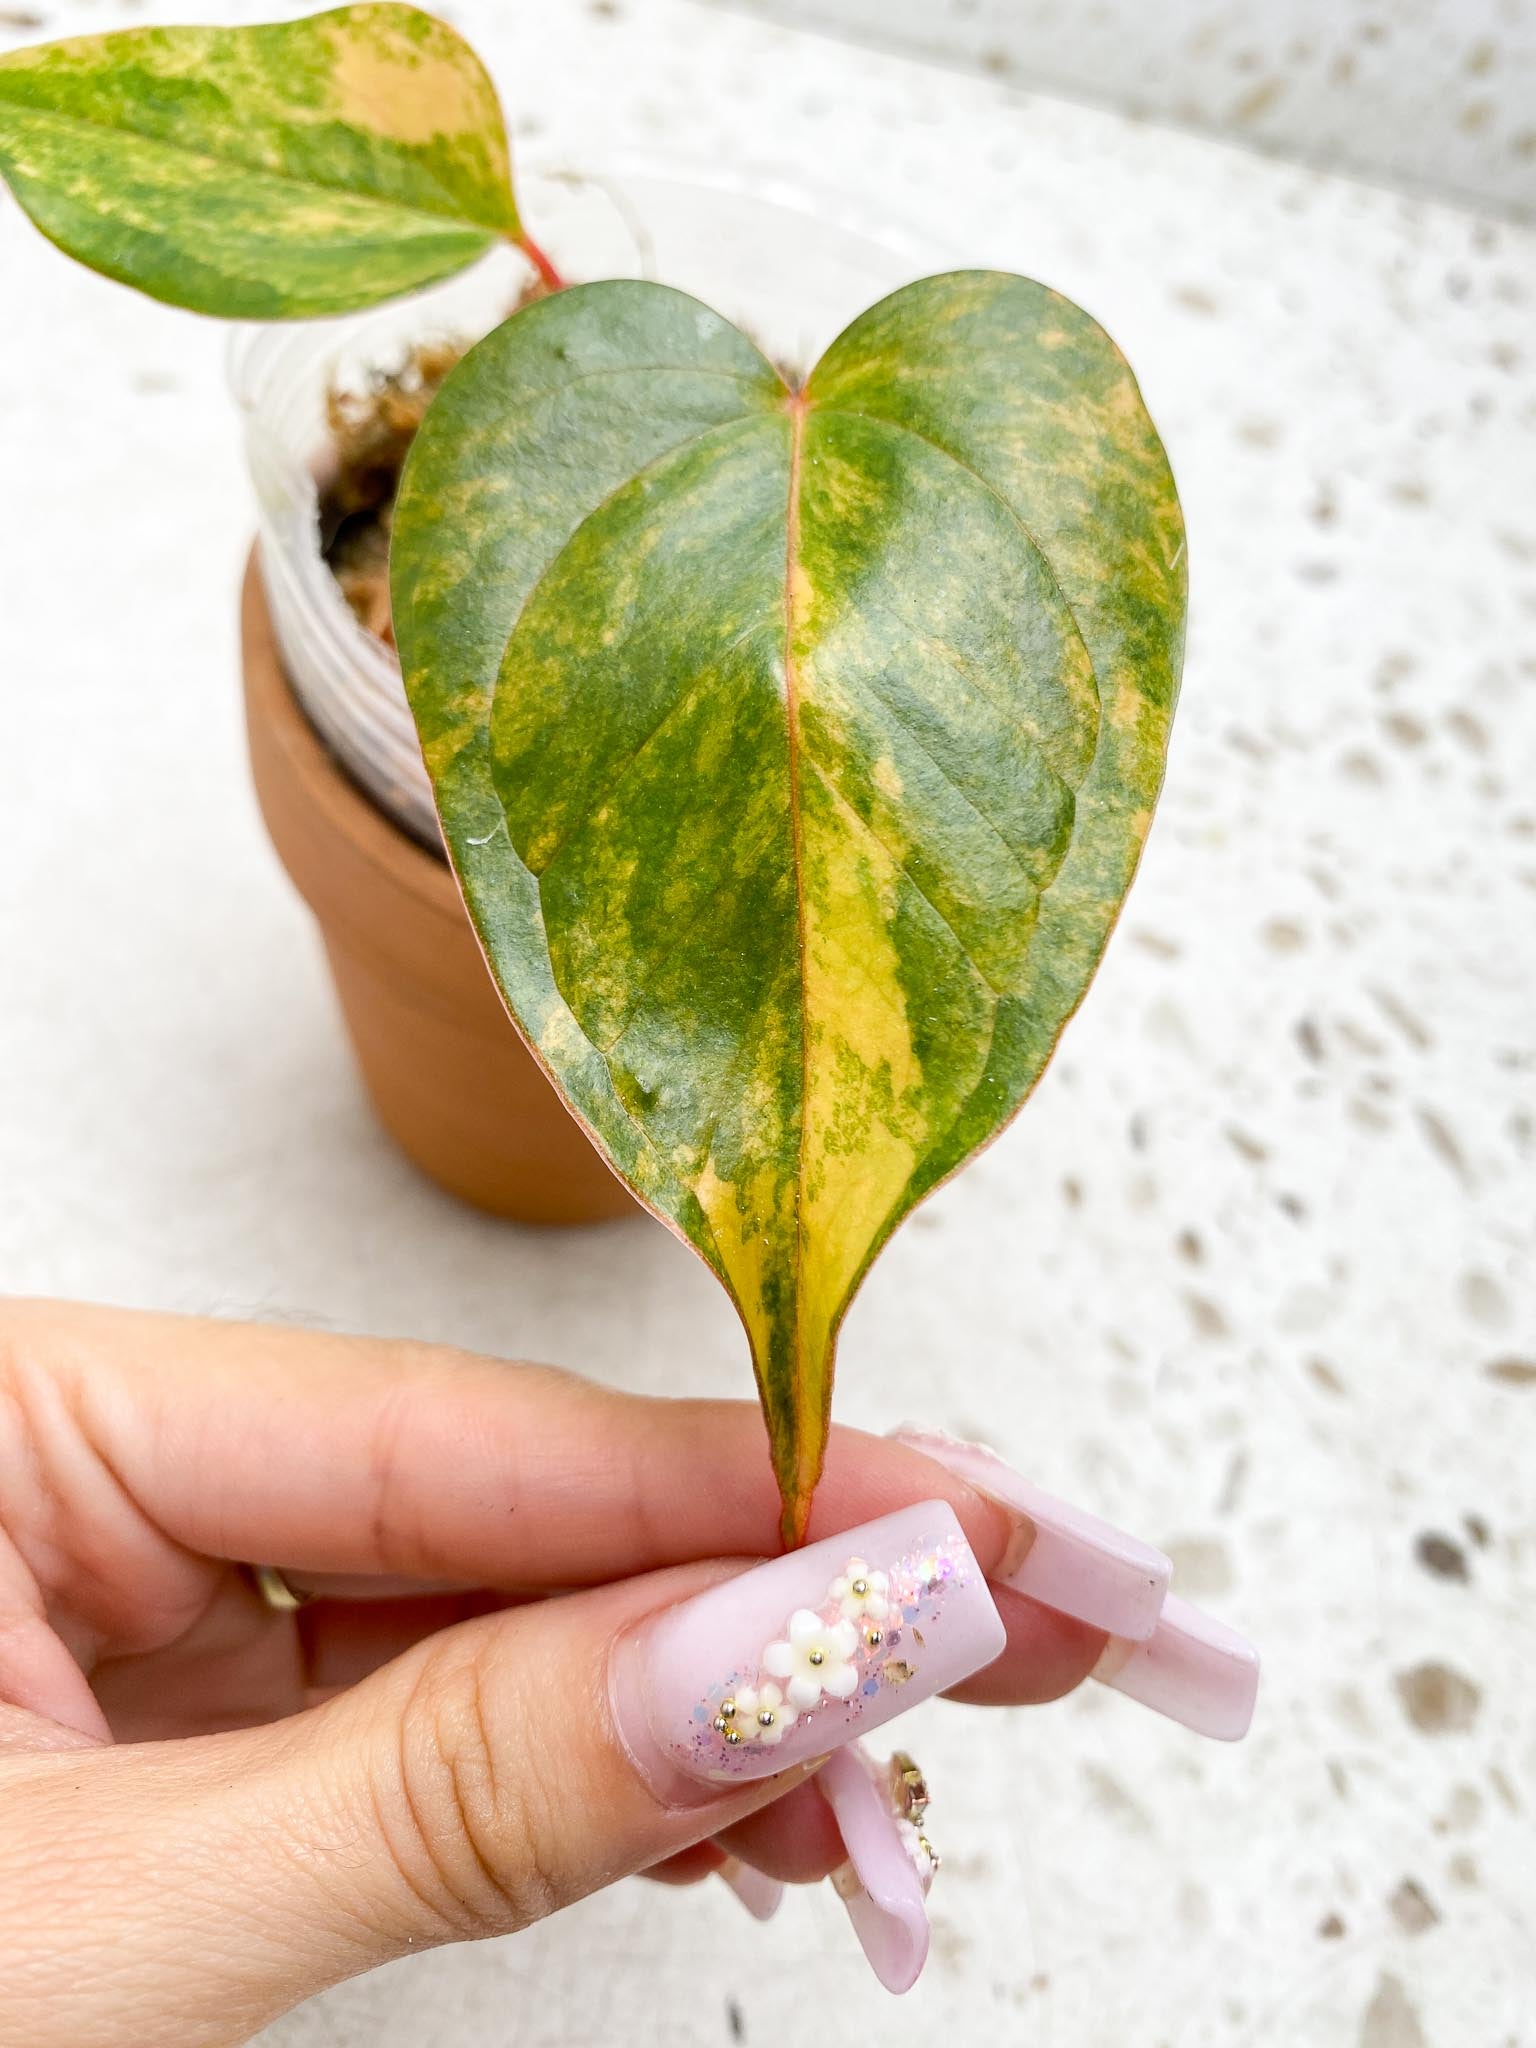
x,y
751,1222
387,83
861,1135
887,778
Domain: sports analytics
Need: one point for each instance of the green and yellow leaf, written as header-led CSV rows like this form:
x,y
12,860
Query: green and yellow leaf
x,y
794,749
299,168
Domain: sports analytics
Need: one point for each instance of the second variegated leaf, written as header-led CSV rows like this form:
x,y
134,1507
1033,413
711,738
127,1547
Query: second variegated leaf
x,y
262,173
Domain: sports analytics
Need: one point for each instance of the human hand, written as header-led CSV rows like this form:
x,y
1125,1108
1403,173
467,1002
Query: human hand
x,y
210,1810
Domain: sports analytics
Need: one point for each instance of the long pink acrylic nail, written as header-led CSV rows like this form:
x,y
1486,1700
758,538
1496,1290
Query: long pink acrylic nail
x,y
1192,1668
884,1882
759,1893
1065,1558
790,1660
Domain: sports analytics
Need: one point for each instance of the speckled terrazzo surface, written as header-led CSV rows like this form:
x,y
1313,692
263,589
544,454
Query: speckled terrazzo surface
x,y
1254,1273
1439,94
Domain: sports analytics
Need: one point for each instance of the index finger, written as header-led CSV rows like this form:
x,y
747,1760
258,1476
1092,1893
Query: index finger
x,y
328,1454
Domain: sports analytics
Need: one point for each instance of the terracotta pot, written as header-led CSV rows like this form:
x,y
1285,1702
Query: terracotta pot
x,y
450,1078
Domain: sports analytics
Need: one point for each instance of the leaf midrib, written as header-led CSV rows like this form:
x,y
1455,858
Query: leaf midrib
x,y
454,215
797,405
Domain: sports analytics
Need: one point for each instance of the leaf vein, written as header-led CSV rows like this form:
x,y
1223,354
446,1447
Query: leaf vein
x,y
867,684
900,426
970,672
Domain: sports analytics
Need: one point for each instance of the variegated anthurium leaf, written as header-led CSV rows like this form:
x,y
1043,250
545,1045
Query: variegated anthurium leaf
x,y
262,173
794,748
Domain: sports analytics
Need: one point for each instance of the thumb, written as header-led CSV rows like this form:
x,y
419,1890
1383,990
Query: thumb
x,y
189,1892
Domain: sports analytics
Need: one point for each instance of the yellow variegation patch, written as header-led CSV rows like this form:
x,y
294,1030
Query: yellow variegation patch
x,y
794,749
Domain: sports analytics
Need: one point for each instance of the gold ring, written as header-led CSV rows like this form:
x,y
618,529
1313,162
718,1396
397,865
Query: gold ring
x,y
275,1589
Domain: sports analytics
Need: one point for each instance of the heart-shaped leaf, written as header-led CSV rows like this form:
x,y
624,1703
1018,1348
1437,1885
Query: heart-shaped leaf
x,y
303,167
794,749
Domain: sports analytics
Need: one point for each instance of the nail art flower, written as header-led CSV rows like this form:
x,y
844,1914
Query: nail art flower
x,y
817,1659
763,1713
861,1593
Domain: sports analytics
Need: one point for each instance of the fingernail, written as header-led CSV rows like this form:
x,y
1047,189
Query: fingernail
x,y
758,1892
1064,1558
790,1660
879,1810
1192,1668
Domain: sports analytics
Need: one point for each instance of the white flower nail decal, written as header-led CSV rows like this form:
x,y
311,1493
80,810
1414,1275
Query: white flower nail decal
x,y
762,1713
861,1593
817,1658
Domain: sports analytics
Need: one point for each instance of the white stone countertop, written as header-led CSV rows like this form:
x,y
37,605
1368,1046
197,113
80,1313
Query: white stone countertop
x,y
1255,1272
